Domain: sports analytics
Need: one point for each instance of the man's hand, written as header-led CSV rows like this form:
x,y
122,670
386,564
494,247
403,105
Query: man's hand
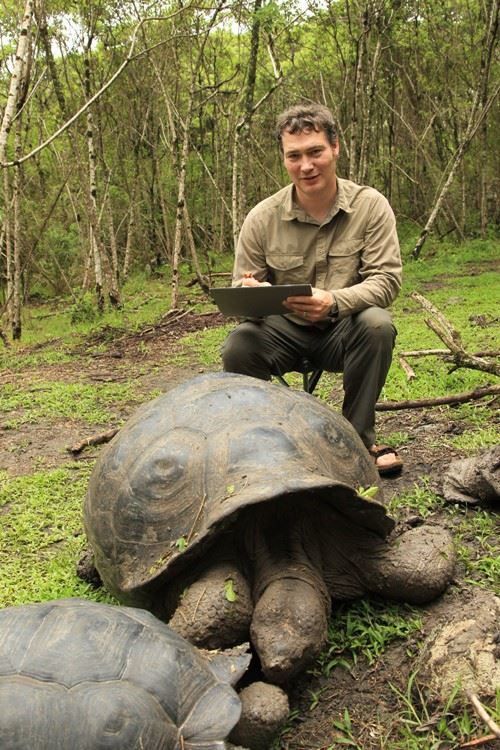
x,y
248,280
313,308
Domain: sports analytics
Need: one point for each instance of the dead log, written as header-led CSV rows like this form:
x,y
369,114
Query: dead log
x,y
103,437
443,353
408,370
457,398
452,339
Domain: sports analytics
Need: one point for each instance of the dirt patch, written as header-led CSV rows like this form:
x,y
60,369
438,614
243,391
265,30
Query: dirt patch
x,y
367,692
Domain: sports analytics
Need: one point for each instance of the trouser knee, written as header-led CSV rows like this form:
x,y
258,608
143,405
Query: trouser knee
x,y
242,349
375,327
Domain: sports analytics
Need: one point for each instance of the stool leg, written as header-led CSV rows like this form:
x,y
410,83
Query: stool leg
x,y
314,379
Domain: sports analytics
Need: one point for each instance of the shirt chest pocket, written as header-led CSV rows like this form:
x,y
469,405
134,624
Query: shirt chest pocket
x,y
344,261
286,269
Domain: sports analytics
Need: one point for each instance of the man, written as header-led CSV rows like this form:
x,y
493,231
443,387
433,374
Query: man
x,y
340,237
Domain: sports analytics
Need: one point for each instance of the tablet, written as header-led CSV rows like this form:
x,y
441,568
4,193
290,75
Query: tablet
x,y
257,301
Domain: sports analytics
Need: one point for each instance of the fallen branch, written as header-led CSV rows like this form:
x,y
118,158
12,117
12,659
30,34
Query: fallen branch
x,y
409,371
104,437
458,398
451,337
479,741
483,714
443,353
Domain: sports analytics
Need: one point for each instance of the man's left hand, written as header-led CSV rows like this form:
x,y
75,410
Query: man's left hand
x,y
313,308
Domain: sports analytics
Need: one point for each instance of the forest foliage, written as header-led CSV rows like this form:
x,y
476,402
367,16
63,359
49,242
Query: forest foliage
x,y
171,110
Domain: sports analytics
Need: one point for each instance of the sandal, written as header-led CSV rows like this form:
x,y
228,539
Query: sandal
x,y
389,469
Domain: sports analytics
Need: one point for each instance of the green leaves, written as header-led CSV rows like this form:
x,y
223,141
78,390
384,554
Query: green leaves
x,y
367,492
229,591
181,543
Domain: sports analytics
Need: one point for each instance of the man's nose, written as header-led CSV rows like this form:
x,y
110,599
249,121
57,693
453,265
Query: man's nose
x,y
306,164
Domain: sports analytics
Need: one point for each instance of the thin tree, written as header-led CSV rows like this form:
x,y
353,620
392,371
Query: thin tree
x,y
15,98
184,153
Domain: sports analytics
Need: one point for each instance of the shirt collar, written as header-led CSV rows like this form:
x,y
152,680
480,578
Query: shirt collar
x,y
290,210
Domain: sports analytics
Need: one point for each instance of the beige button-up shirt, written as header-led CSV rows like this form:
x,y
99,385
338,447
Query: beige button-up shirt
x,y
354,253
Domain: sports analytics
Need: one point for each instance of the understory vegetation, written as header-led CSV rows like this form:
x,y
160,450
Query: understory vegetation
x,y
50,384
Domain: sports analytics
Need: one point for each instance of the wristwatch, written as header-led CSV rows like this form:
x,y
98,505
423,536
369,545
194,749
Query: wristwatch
x,y
333,313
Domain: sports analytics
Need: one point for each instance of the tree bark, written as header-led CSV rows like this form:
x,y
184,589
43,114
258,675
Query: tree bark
x,y
94,228
16,325
16,79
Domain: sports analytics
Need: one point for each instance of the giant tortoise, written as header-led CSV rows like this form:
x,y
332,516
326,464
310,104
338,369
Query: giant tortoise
x,y
77,675
231,505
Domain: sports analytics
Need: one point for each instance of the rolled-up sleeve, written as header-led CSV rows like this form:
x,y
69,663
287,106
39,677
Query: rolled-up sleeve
x,y
250,251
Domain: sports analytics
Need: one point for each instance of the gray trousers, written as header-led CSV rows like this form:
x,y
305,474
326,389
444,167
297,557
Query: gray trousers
x,y
360,346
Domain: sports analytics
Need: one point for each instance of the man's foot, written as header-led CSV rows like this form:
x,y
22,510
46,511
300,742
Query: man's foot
x,y
387,460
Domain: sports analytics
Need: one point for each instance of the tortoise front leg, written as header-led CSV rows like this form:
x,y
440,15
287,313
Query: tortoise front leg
x,y
290,620
215,611
414,567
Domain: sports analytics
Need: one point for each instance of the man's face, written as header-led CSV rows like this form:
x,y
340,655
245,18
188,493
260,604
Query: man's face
x,y
310,160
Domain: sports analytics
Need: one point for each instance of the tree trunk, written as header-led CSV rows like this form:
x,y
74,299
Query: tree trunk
x,y
130,232
16,260
242,131
16,79
181,190
16,97
114,286
181,198
9,264
92,196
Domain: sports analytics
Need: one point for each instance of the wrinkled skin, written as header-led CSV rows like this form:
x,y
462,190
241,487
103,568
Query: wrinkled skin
x,y
294,565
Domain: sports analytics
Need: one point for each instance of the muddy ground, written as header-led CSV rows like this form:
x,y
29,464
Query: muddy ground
x,y
364,690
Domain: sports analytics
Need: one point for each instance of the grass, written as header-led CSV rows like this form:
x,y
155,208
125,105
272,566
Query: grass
x,y
206,345
421,727
47,401
364,628
41,536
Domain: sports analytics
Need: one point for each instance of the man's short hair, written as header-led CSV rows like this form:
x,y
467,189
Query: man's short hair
x,y
304,118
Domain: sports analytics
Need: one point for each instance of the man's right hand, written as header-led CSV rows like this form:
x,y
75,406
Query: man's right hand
x,y
250,281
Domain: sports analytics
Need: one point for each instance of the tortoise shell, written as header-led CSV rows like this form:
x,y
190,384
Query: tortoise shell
x,y
77,674
180,471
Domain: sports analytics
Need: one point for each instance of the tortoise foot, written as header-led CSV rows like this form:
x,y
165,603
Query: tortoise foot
x,y
264,710
289,627
215,611
87,571
415,567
